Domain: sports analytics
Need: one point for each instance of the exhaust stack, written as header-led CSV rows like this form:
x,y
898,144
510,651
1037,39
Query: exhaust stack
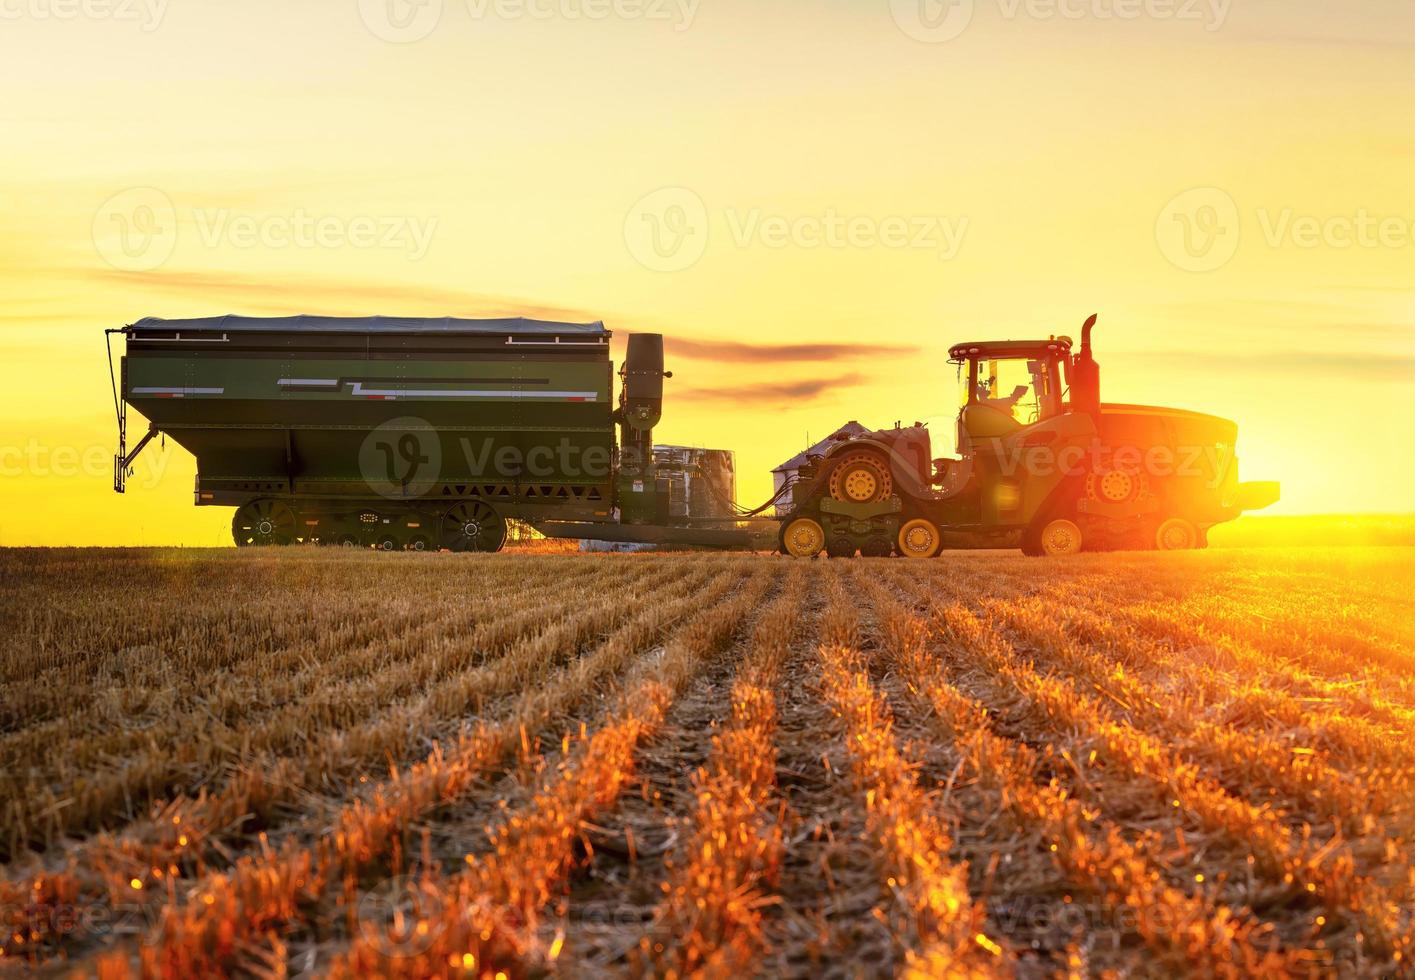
x,y
1086,375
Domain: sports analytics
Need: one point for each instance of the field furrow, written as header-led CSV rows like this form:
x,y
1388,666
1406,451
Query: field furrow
x,y
723,873
1296,623
488,916
184,839
1180,929
1308,888
1250,758
931,915
67,791
312,762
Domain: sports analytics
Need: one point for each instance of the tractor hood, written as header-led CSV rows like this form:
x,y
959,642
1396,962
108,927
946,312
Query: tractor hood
x,y
1179,425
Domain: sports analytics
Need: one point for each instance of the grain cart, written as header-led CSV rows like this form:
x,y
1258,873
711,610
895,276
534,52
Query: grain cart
x,y
1042,463
412,433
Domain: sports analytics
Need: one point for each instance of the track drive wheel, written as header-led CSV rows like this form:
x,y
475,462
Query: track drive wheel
x,y
1177,534
877,546
802,538
263,522
919,538
1116,485
861,477
473,526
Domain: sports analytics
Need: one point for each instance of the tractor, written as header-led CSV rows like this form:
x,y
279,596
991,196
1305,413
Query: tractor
x,y
1042,464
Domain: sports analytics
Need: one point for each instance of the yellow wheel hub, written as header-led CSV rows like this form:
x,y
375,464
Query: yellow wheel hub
x,y
861,485
1115,486
1061,537
860,478
1176,534
803,538
919,538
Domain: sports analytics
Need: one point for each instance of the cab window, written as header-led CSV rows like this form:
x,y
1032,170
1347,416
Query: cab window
x,y
1016,386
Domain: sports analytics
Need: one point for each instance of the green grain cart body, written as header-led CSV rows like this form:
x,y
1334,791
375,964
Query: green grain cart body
x,y
383,413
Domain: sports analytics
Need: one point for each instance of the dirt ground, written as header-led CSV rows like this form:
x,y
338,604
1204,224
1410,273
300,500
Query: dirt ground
x,y
292,761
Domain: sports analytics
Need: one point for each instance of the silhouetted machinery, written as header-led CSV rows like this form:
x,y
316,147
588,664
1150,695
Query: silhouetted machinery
x,y
1042,463
430,433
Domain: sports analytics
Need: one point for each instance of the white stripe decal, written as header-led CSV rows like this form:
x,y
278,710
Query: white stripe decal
x,y
178,391
310,382
511,393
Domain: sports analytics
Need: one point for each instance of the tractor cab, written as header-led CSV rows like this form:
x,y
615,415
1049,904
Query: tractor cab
x,y
1008,385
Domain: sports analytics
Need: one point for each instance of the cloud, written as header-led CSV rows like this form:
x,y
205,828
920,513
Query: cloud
x,y
769,392
235,292
736,352
232,292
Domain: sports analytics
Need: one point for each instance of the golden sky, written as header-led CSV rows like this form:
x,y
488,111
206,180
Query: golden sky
x,y
839,189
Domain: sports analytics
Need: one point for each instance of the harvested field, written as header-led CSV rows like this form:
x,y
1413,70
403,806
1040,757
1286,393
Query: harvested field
x,y
325,762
